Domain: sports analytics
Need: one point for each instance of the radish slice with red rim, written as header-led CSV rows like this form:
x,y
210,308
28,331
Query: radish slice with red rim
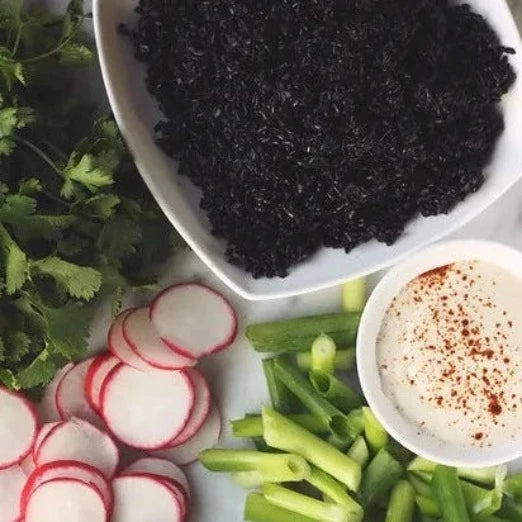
x,y
172,485
98,371
207,437
18,427
193,319
28,465
44,431
47,410
71,399
201,408
69,469
64,500
147,410
12,481
78,440
144,498
162,467
142,337
120,347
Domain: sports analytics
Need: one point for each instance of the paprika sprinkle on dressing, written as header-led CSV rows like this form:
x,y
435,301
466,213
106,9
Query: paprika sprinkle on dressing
x,y
450,353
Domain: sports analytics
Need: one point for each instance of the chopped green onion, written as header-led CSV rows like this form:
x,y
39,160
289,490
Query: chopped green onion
x,y
359,451
253,426
282,398
354,295
376,435
428,506
513,486
479,501
283,434
304,505
382,473
277,467
511,510
297,335
323,354
421,488
344,360
335,391
258,509
299,385
448,494
486,476
402,503
332,489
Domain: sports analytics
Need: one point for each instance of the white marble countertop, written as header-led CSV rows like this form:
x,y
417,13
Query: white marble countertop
x,y
236,375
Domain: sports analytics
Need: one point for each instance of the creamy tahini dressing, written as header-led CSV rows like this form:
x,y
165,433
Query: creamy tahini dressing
x,y
450,353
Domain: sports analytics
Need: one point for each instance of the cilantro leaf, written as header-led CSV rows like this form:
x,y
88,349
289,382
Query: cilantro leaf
x,y
119,238
102,205
8,121
12,71
39,372
81,282
7,146
18,211
29,186
87,173
18,345
68,330
16,264
7,378
76,54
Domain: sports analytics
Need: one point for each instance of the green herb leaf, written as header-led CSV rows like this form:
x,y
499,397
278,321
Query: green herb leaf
x,y
119,238
39,372
76,54
18,345
16,265
68,330
102,205
8,379
78,281
86,172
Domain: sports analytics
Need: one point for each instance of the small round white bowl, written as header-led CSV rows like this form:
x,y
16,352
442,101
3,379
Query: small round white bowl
x,y
394,422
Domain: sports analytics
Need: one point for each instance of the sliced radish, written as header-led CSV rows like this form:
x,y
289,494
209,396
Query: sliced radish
x,y
28,465
98,370
69,469
47,410
65,500
18,427
44,431
162,467
120,347
205,438
78,440
12,481
201,408
71,400
147,410
142,337
145,499
193,319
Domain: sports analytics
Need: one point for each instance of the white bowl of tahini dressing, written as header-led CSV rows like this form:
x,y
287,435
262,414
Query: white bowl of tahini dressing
x,y
439,353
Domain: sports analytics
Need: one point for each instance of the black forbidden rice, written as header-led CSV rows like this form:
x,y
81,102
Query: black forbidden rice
x,y
310,123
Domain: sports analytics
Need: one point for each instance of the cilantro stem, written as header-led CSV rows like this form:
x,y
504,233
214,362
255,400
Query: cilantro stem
x,y
39,152
17,40
56,49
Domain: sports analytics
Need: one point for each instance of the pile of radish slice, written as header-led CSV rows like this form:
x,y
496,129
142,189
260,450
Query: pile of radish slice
x,y
143,397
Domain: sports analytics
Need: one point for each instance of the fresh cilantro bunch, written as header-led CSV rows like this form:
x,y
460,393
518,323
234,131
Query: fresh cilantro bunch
x,y
76,221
